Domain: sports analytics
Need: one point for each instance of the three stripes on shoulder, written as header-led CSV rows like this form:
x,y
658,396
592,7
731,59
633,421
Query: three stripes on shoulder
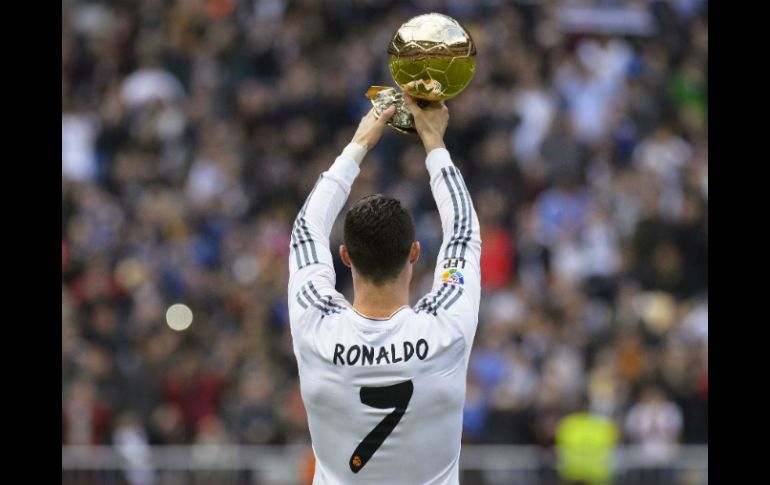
x,y
447,295
308,296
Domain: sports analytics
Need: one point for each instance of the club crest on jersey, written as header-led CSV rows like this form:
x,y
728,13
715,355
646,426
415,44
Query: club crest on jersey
x,y
453,277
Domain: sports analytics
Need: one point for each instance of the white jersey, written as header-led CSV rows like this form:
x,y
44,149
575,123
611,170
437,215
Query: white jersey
x,y
385,397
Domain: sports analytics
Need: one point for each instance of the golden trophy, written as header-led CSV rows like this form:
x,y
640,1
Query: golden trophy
x,y
431,57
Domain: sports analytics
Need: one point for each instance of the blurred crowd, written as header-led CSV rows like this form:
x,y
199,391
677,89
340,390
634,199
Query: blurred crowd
x,y
192,131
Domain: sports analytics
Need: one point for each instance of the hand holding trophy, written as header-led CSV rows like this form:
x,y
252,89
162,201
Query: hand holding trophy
x,y
431,57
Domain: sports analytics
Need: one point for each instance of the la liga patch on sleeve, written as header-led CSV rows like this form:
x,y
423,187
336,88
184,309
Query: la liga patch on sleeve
x,y
453,276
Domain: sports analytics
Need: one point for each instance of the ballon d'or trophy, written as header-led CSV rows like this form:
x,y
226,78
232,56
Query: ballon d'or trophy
x,y
431,57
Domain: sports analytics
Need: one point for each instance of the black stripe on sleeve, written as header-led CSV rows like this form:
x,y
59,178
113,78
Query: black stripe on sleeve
x,y
456,228
453,300
462,238
297,234
329,304
460,209
295,246
318,305
301,232
305,293
426,304
421,304
300,301
447,300
467,195
323,302
309,240
467,228
304,225
315,302
441,302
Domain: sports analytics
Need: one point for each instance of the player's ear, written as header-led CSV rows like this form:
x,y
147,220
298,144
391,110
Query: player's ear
x,y
414,252
345,256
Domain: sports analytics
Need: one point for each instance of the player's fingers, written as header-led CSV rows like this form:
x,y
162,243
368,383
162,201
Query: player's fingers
x,y
387,114
410,103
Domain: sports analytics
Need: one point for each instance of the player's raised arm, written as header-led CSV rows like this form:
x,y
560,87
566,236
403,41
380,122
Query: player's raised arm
x,y
311,268
457,278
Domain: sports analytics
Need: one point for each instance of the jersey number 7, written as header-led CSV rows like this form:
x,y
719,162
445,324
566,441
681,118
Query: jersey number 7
x,y
398,396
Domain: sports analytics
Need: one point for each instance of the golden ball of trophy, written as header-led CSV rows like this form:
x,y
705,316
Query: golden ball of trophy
x,y
431,57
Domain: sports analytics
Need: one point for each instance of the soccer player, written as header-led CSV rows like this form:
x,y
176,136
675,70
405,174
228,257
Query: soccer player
x,y
383,383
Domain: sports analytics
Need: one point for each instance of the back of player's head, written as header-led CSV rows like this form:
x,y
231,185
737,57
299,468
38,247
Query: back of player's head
x,y
379,233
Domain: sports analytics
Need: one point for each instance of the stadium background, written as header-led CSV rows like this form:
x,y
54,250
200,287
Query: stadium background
x,y
192,130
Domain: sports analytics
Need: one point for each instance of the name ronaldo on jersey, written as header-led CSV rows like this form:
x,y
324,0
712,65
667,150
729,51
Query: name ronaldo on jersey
x,y
369,355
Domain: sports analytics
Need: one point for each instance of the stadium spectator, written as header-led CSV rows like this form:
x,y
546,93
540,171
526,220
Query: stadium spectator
x,y
655,423
585,443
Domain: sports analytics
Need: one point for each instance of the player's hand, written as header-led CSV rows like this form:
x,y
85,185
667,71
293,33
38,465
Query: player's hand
x,y
430,121
370,129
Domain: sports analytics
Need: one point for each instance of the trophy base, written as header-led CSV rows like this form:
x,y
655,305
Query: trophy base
x,y
383,97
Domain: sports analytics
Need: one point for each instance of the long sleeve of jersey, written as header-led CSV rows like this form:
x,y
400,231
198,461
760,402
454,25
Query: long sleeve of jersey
x,y
311,269
456,287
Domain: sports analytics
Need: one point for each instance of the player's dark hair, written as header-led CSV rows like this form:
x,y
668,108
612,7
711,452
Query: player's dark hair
x,y
379,232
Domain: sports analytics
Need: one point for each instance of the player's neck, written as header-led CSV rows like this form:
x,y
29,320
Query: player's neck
x,y
379,301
